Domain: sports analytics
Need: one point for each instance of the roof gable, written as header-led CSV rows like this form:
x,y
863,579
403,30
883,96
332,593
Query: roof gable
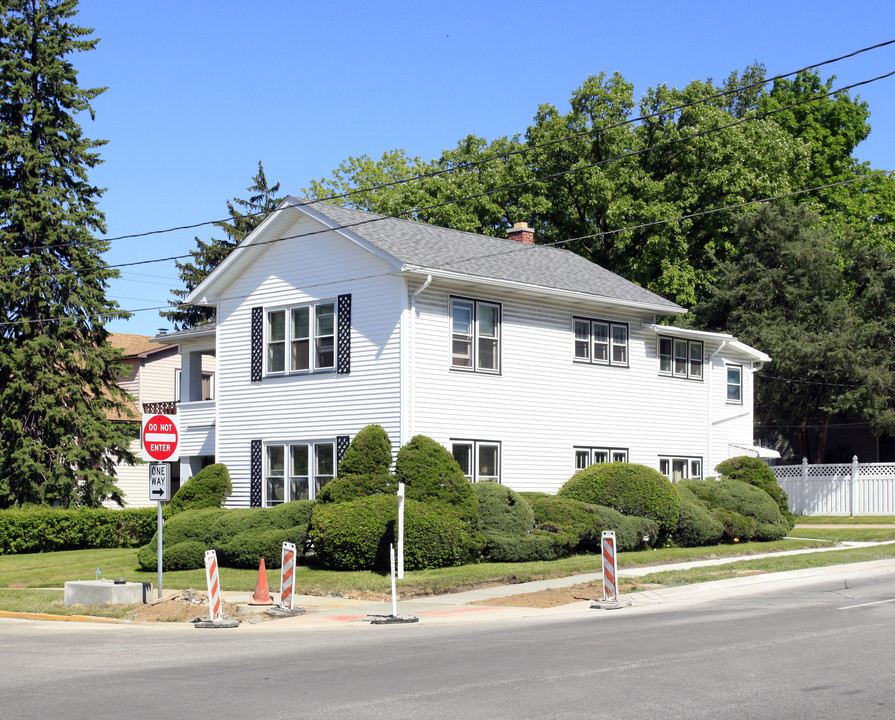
x,y
415,247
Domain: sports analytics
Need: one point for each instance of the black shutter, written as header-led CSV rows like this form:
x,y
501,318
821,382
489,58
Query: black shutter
x,y
342,443
257,356
343,361
256,474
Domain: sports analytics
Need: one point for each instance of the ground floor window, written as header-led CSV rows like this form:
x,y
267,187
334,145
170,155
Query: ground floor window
x,y
478,459
587,456
297,470
681,468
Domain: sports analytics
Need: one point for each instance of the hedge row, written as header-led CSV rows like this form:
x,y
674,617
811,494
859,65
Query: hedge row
x,y
51,529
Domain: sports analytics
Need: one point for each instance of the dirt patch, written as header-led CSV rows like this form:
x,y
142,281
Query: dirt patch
x,y
559,596
187,607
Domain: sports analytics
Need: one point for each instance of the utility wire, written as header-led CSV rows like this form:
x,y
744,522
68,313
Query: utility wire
x,y
525,183
508,154
522,248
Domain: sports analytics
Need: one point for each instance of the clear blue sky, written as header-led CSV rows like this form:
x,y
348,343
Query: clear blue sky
x,y
199,92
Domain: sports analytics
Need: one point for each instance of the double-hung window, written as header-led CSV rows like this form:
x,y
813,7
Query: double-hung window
x,y
301,339
682,358
475,335
478,459
601,342
735,384
681,468
587,456
297,471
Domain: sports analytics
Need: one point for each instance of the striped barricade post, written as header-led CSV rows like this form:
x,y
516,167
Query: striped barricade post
x,y
610,588
287,576
215,608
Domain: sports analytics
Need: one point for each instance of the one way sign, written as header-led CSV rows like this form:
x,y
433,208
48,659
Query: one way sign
x,y
159,487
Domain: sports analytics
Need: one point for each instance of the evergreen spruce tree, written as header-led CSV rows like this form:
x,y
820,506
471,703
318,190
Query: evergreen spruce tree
x,y
208,255
57,371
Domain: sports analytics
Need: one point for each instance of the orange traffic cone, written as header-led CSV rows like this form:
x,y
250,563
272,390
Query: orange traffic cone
x,y
261,596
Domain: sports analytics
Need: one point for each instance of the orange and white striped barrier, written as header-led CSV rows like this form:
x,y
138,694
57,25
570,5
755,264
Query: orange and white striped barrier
x,y
287,576
610,588
215,607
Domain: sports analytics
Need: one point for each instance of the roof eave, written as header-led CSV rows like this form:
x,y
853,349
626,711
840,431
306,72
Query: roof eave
x,y
661,309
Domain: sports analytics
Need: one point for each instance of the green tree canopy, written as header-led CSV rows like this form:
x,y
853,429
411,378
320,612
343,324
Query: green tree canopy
x,y
58,373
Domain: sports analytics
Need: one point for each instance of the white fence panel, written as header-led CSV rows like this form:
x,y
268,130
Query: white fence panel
x,y
839,489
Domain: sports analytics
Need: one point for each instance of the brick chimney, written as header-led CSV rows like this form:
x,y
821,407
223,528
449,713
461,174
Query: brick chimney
x,y
521,233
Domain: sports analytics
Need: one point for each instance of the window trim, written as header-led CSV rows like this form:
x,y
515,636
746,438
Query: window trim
x,y
475,339
475,447
591,450
668,471
672,358
312,476
739,385
313,338
611,346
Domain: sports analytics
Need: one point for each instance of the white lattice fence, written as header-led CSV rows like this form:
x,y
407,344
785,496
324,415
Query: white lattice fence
x,y
839,489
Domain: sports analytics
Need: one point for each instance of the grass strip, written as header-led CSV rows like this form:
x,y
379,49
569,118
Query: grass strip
x,y
689,576
841,520
49,602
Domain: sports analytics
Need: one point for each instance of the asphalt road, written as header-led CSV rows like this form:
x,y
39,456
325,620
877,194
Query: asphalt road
x,y
818,650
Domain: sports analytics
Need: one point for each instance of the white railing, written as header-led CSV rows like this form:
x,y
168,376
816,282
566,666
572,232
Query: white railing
x,y
839,489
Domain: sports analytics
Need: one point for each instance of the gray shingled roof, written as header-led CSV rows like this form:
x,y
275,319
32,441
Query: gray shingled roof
x,y
436,248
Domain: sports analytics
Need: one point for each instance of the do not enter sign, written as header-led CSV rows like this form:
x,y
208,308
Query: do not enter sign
x,y
160,438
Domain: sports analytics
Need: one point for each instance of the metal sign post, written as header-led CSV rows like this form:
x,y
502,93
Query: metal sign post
x,y
160,490
400,530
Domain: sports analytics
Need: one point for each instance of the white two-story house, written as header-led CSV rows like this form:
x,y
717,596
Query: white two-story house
x,y
527,362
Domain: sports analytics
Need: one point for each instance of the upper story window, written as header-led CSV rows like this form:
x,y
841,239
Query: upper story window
x,y
475,335
587,456
478,459
206,391
681,358
735,384
601,342
297,471
301,339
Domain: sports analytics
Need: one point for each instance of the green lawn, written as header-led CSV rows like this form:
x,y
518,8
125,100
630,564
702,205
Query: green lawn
x,y
840,520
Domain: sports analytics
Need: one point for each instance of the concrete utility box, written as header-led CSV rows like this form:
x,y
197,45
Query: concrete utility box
x,y
99,592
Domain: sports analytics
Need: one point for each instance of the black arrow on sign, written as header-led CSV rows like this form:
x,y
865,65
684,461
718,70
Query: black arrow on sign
x,y
157,491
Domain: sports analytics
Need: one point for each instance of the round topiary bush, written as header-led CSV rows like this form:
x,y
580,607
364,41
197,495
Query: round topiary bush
x,y
434,538
629,488
695,524
764,521
209,488
351,487
431,474
757,472
354,535
502,510
370,453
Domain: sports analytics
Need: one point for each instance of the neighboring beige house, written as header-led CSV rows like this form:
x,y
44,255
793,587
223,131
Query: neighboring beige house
x,y
153,380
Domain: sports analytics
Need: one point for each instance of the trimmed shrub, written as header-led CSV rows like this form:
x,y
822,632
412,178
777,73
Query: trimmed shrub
x,y
537,545
189,555
434,538
44,529
745,500
629,488
695,524
191,525
351,487
502,510
354,535
757,472
292,514
737,527
210,487
431,474
370,453
246,549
